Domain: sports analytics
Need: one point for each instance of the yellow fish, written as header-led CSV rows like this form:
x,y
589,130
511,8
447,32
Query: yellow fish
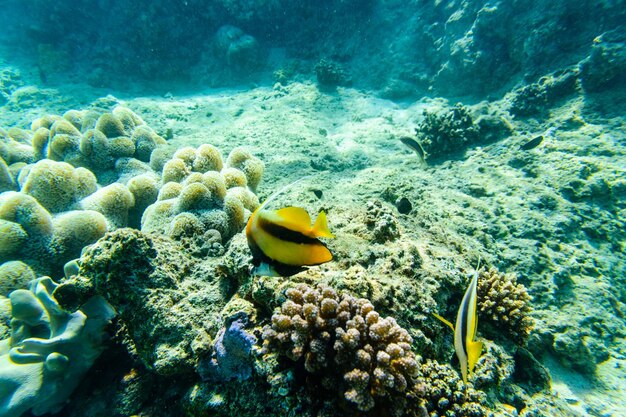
x,y
283,242
467,349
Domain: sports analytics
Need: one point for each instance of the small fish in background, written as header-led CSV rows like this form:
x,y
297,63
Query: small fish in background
x,y
42,75
532,144
537,140
467,349
283,242
415,147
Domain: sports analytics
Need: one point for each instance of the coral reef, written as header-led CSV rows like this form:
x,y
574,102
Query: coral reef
x,y
505,305
331,74
14,275
45,243
203,201
438,391
49,350
365,358
451,130
83,138
57,186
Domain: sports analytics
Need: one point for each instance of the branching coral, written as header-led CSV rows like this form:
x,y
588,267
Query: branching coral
x,y
441,133
366,358
505,304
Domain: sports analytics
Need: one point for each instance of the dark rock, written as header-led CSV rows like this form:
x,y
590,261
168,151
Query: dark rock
x,y
403,205
606,65
529,372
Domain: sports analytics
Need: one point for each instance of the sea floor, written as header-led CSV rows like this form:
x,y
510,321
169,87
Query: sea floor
x,y
484,199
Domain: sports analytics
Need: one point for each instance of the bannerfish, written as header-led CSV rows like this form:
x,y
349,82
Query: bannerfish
x,y
283,242
415,147
467,349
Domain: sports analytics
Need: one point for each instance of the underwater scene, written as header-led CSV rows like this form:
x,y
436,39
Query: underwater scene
x,y
394,208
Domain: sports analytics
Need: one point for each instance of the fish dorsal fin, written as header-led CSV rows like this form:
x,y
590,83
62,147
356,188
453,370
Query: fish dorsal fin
x,y
279,192
444,321
474,349
293,218
320,228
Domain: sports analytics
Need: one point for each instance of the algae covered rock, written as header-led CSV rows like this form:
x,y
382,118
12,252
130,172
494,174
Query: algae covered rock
x,y
166,300
49,350
239,50
605,66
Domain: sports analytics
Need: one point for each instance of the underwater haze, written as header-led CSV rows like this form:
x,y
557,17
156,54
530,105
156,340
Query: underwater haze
x,y
313,208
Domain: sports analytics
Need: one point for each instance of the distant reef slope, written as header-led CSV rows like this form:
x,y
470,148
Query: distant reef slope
x,y
400,48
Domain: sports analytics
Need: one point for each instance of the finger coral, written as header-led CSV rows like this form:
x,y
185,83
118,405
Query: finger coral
x,y
364,357
505,304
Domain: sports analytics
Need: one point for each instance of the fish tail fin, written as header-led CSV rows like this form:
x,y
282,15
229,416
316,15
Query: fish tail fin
x,y
444,321
320,228
474,349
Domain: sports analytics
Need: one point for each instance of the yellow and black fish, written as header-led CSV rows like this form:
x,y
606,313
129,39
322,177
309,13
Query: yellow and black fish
x,y
467,349
283,242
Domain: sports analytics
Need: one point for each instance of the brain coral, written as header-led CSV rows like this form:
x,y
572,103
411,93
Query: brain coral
x,y
505,304
200,195
365,358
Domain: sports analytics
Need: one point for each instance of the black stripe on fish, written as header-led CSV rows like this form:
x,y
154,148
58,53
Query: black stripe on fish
x,y
284,234
464,326
258,258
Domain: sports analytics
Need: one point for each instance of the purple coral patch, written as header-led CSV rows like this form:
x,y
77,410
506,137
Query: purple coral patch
x,y
232,354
